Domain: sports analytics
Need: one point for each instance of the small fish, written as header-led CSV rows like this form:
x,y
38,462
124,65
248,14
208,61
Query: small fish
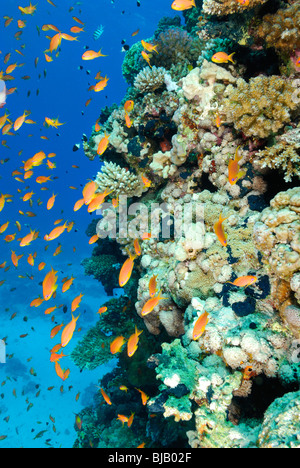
x,y
102,310
105,396
234,173
149,47
103,144
126,270
49,284
244,281
222,57
98,32
76,302
243,2
151,304
152,286
116,344
181,5
200,325
129,105
146,57
144,397
68,331
91,55
219,231
132,343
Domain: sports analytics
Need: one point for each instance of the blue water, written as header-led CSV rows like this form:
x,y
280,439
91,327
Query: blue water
x,y
30,414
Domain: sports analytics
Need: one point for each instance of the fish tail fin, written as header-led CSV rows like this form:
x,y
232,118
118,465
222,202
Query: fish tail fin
x,y
230,57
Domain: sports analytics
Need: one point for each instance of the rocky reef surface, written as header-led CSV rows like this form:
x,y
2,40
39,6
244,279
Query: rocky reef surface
x,y
214,144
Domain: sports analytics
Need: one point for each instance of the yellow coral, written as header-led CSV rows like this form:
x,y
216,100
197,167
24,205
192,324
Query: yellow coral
x,y
260,107
225,7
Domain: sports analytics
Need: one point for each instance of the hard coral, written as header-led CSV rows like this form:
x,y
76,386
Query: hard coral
x,y
150,79
282,29
261,107
121,182
284,155
277,235
225,7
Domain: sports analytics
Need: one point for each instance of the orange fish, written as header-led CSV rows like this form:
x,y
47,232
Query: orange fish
x,y
49,284
91,55
50,310
29,10
127,120
181,5
103,144
137,247
20,120
144,397
102,310
146,181
101,85
105,396
234,173
68,331
116,344
222,57
243,281
15,258
151,304
128,106
132,343
28,239
55,42
89,191
67,284
76,302
97,201
4,227
126,270
200,325
148,46
219,231
152,286
146,57
42,179
51,202
56,232
93,239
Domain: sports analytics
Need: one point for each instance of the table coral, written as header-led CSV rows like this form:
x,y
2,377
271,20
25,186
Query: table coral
x,y
260,107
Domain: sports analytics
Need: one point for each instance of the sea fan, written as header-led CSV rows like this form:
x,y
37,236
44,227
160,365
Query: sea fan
x,y
98,32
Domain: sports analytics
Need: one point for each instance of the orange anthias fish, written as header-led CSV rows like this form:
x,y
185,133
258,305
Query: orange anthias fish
x,y
126,270
219,231
89,191
137,247
76,302
56,330
28,239
91,55
67,284
200,325
222,57
29,10
97,201
149,47
49,284
15,258
103,144
152,286
146,57
55,233
132,343
116,344
234,173
181,5
151,304
51,202
105,396
68,331
243,2
129,105
144,397
101,85
243,281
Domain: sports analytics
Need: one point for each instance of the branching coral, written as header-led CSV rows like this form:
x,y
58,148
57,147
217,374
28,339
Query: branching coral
x,y
282,29
283,155
150,79
260,107
118,180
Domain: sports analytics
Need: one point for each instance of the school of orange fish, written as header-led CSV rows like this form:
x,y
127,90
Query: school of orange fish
x,y
90,198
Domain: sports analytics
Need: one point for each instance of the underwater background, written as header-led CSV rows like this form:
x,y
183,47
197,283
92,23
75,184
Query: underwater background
x,y
158,341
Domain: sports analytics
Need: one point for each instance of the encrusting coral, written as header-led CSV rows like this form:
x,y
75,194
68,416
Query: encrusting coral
x,y
225,7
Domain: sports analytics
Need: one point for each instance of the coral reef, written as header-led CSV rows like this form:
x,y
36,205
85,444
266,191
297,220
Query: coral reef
x,y
211,162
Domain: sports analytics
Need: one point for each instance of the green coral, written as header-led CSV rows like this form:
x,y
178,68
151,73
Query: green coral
x,y
132,64
103,269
